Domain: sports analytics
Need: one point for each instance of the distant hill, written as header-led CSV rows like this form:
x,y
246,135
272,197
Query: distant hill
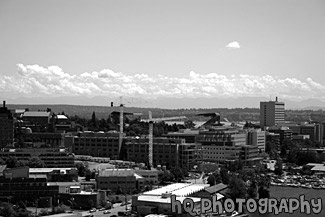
x,y
232,114
170,102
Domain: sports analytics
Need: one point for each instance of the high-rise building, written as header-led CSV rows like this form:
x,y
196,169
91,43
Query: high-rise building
x,y
6,126
271,113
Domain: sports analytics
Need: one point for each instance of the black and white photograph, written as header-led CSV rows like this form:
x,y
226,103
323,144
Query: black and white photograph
x,y
162,108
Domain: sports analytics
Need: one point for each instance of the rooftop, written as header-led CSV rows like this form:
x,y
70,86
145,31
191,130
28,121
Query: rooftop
x,y
37,114
116,172
178,189
63,184
216,188
48,170
62,117
159,199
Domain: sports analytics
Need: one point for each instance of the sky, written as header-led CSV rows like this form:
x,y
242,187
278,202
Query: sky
x,y
163,48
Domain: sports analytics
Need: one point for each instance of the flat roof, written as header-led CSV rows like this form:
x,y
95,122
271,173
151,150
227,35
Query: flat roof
x,y
178,189
36,114
63,184
48,170
61,117
116,172
159,199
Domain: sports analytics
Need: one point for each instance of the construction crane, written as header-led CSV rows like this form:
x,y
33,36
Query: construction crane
x,y
151,121
121,113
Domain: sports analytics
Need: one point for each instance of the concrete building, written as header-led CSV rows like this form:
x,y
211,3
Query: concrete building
x,y
115,179
187,134
6,126
55,174
150,176
271,113
52,157
256,137
37,118
94,144
314,131
53,140
16,185
223,144
166,152
285,133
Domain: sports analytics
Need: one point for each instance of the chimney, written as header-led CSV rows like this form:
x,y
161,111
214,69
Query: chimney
x,y
276,99
4,104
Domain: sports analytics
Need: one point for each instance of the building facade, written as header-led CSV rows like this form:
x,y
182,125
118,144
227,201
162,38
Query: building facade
x,y
271,113
6,126
52,157
256,138
94,144
166,152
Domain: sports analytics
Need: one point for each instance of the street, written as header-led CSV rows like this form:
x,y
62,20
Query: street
x,y
116,208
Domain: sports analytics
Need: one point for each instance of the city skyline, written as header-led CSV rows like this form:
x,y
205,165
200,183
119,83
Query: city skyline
x,y
163,49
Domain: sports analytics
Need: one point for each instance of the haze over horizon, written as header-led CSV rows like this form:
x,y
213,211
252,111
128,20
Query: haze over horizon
x,y
163,53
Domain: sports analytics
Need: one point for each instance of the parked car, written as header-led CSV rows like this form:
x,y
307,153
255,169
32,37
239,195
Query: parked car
x,y
101,209
107,212
93,210
124,213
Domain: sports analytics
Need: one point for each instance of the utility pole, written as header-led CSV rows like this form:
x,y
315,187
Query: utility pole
x,y
121,128
150,141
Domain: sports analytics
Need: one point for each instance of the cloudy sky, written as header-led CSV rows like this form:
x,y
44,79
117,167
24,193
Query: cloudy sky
x,y
163,48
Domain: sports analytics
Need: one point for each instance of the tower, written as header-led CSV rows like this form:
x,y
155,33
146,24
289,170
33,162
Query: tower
x,y
6,126
271,113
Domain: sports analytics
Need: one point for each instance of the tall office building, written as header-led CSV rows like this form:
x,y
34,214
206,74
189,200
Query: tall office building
x,y
6,126
271,113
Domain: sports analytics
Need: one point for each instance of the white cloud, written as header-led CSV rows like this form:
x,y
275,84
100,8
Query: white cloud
x,y
38,81
233,45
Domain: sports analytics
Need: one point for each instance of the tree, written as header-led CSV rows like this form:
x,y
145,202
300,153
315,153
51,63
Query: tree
x,y
252,189
88,174
8,210
35,162
178,173
237,188
165,176
224,176
217,177
278,168
189,124
11,162
81,169
211,180
94,122
263,192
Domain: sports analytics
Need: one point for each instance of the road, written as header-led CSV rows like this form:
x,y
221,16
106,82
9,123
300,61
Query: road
x,y
116,208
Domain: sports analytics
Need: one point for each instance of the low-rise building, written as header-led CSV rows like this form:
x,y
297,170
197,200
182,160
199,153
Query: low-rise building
x,y
158,201
117,180
52,157
94,144
166,152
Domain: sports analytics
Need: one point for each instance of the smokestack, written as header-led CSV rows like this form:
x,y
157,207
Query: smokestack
x,y
4,104
276,99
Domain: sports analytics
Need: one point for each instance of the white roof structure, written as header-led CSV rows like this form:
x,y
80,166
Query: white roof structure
x,y
178,189
317,167
37,114
159,199
62,117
